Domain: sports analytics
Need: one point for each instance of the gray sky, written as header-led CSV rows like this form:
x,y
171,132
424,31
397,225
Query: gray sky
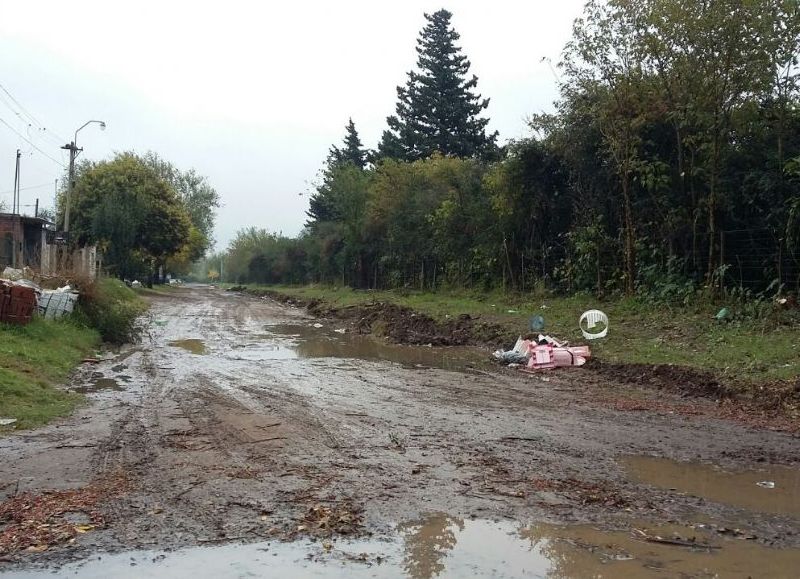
x,y
251,94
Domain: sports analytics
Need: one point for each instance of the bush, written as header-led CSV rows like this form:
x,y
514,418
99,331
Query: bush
x,y
113,309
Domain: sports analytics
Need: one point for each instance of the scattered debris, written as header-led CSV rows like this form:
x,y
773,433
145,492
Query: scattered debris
x,y
766,484
340,331
545,353
7,421
54,304
37,522
677,541
593,317
317,325
536,323
324,521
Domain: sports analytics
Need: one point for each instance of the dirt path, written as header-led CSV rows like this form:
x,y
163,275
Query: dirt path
x,y
237,421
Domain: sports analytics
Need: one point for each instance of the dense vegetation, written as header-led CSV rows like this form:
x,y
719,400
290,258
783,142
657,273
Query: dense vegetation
x,y
146,216
672,162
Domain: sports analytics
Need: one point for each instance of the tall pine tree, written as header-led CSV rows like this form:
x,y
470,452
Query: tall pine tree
x,y
322,205
352,152
437,110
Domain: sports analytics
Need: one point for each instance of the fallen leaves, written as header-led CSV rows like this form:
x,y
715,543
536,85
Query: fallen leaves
x,y
326,521
36,522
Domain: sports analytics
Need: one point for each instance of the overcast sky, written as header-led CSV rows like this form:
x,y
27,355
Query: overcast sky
x,y
251,94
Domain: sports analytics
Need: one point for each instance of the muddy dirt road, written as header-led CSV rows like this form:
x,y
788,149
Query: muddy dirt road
x,y
240,440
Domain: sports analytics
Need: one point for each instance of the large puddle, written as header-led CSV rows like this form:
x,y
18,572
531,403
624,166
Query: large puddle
x,y
778,491
306,341
442,546
194,346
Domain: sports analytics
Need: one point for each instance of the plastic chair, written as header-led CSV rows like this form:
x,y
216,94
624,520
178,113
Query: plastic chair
x,y
593,317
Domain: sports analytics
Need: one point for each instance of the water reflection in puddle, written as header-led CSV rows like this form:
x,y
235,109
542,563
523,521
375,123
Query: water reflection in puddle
x,y
298,341
194,346
442,546
739,489
99,384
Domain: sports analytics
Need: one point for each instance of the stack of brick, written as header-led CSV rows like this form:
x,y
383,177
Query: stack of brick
x,y
17,303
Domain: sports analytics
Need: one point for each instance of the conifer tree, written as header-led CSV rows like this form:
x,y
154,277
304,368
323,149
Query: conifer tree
x,y
322,205
352,152
437,109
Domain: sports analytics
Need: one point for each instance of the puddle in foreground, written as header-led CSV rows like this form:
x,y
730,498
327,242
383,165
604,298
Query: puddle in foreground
x,y
738,489
194,346
301,341
443,546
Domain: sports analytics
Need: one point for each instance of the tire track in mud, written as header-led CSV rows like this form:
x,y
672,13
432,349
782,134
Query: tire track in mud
x,y
221,447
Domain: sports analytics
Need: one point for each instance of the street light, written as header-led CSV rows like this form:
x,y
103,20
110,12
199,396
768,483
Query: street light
x,y
73,152
101,123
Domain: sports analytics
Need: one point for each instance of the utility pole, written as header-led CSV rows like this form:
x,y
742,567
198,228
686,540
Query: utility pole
x,y
15,210
73,152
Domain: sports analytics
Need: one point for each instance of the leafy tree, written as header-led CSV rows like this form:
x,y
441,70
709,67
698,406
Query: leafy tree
x,y
199,199
132,214
437,109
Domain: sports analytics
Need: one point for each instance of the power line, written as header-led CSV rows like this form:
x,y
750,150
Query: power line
x,y
50,184
29,115
31,143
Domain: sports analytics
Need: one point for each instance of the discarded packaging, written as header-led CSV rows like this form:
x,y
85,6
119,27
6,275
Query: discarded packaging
x,y
317,325
136,283
7,421
546,356
12,274
340,331
545,353
593,317
766,484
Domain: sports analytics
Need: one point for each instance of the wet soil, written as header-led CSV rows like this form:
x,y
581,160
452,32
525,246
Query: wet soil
x,y
304,451
399,324
775,404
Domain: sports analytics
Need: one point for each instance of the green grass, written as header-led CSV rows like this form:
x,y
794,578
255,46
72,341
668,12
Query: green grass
x,y
113,309
33,359
753,350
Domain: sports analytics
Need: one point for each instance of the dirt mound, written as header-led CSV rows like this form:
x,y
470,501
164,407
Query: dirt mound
x,y
680,379
401,324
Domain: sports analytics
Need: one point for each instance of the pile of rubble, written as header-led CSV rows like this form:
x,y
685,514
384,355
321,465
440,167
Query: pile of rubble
x,y
20,297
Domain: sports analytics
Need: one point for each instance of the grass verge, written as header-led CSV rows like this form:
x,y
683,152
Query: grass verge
x,y
755,349
37,357
33,359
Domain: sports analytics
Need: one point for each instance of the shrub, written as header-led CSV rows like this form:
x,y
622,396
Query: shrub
x,y
112,308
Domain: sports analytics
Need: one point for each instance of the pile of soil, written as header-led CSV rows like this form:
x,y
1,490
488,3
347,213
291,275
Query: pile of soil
x,y
679,379
775,398
400,324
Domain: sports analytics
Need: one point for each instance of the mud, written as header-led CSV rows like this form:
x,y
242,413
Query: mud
x,y
440,545
776,402
259,445
399,324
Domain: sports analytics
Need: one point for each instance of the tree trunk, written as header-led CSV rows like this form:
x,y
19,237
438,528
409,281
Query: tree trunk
x,y
630,249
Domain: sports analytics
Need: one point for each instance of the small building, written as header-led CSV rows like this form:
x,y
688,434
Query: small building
x,y
31,242
27,242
